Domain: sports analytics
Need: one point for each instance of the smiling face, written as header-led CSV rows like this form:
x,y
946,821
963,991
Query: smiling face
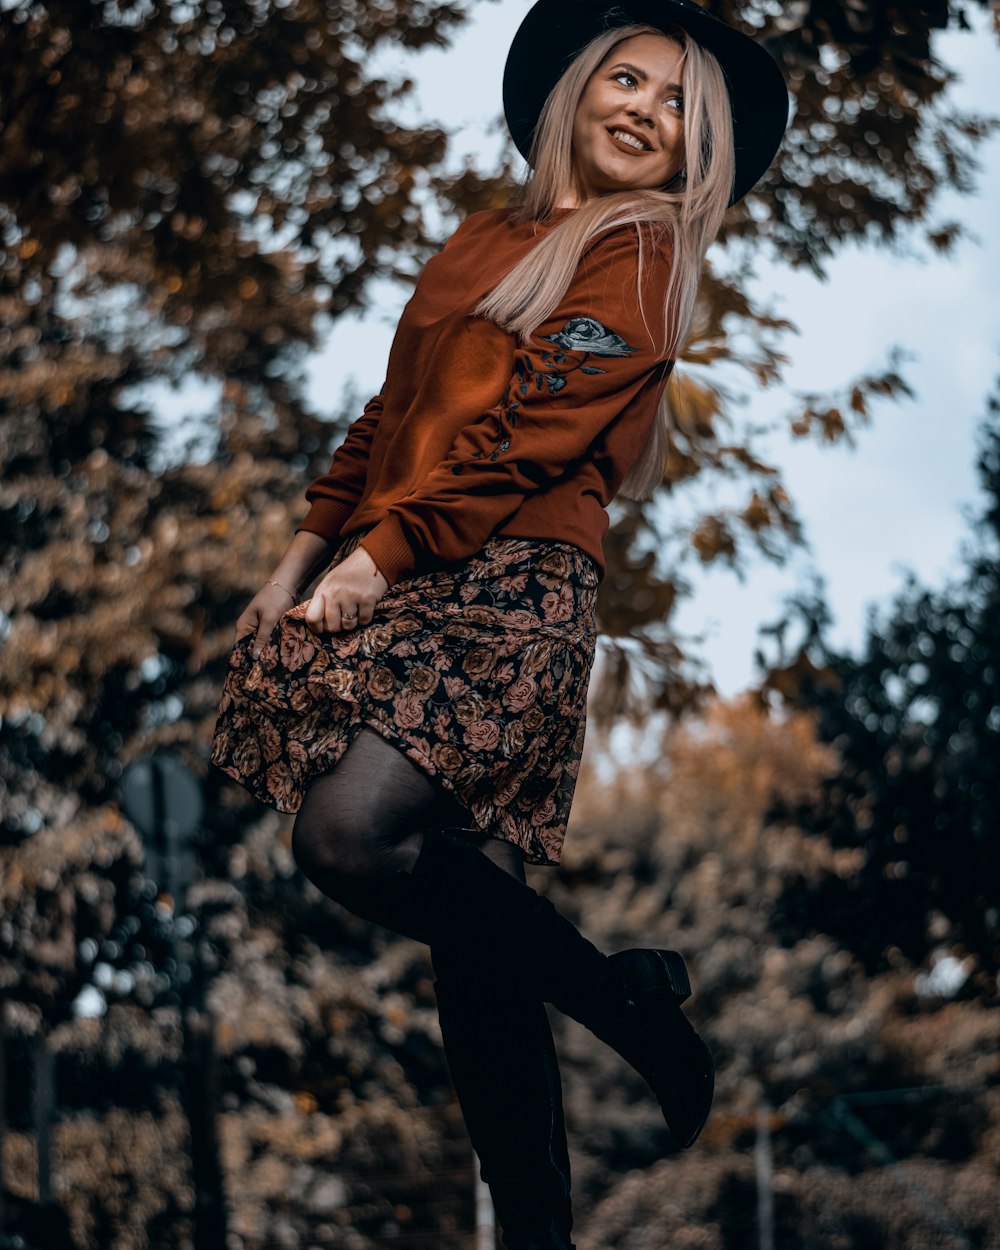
x,y
628,129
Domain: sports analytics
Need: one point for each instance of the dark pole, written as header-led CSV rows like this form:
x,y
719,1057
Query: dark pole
x,y
765,1178
199,1066
201,1081
44,1099
3,1100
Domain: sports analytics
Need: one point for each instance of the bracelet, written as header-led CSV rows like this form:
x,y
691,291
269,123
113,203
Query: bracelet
x,y
284,588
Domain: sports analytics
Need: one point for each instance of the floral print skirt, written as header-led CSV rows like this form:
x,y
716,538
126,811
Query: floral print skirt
x,y
478,673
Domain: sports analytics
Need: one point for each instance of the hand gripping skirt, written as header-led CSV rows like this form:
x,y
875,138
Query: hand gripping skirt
x,y
478,673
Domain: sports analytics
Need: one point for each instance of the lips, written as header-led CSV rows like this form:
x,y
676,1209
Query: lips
x,y
626,139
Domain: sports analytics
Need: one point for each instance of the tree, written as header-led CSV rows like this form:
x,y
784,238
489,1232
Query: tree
x,y
698,847
915,718
185,190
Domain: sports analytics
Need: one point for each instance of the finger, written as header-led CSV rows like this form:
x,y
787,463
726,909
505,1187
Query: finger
x,y
262,636
365,614
315,613
247,621
349,616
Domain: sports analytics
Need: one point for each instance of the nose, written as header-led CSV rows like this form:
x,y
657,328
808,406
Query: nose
x,y
640,112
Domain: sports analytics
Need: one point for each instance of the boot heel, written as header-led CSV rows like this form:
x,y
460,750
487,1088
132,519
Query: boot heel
x,y
677,974
651,969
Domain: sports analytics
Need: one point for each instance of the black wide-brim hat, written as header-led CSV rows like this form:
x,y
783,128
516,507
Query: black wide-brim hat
x,y
555,31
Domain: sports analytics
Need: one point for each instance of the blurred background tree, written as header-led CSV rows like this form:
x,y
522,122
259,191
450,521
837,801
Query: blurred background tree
x,y
197,190
701,849
915,720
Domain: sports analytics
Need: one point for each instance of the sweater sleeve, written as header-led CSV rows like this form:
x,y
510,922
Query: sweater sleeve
x,y
335,494
583,366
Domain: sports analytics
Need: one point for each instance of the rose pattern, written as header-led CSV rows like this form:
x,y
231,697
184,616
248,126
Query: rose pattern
x,y
468,707
482,735
409,710
296,652
586,334
478,662
381,682
478,674
558,607
424,680
553,569
519,694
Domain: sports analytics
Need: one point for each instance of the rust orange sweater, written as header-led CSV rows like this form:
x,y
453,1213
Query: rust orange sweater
x,y
474,435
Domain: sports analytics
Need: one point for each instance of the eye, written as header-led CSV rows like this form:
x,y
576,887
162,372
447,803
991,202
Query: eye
x,y
618,75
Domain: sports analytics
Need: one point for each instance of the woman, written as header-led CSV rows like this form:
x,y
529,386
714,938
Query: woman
x,y
424,711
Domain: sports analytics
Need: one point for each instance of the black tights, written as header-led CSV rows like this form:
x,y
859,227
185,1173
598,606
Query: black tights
x,y
358,825
363,820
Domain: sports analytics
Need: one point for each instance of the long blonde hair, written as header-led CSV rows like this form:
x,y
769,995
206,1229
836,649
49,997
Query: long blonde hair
x,y
691,215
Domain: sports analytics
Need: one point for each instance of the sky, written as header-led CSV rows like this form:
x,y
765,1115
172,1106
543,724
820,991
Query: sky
x,y
893,502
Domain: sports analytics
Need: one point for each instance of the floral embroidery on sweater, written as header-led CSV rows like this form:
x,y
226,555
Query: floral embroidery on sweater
x,y
579,334
585,334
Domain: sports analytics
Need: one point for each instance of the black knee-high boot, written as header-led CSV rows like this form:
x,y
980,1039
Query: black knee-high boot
x,y
630,1000
503,1064
502,1060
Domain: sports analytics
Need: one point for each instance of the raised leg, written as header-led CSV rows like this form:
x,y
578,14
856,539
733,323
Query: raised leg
x,y
496,1034
365,827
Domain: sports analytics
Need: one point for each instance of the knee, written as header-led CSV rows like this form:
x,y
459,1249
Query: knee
x,y
329,847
